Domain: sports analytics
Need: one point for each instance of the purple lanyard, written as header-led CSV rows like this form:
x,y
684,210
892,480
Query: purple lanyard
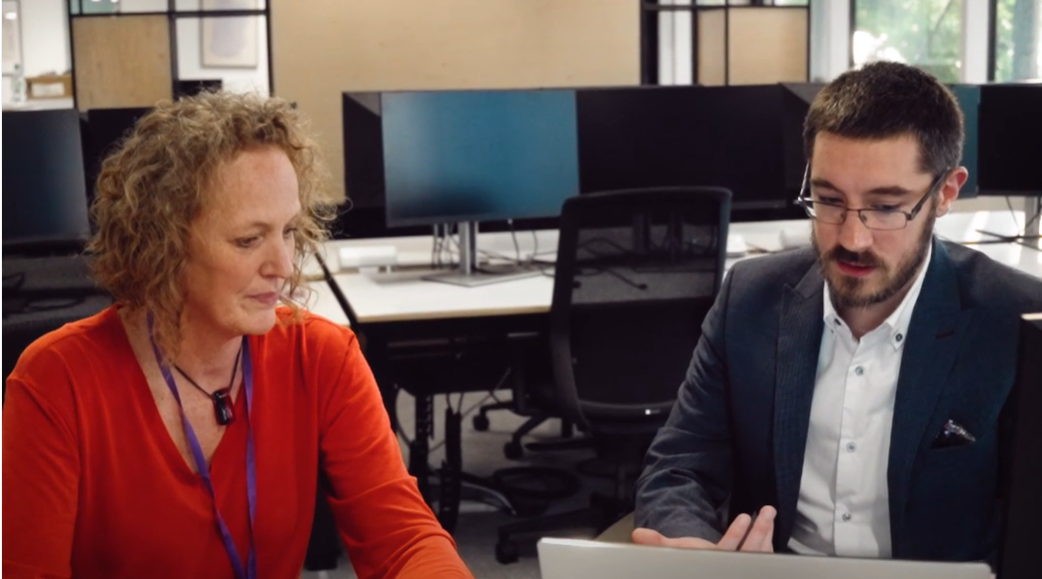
x,y
200,462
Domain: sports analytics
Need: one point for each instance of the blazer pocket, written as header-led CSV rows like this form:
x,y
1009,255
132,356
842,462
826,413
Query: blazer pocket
x,y
959,467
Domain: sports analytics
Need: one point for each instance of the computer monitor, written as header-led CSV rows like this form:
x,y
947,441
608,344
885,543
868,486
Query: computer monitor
x,y
364,214
103,131
45,197
745,138
469,156
1019,558
968,97
1010,138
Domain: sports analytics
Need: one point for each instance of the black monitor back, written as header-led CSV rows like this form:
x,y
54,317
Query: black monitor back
x,y
745,138
104,131
45,197
1020,555
1010,139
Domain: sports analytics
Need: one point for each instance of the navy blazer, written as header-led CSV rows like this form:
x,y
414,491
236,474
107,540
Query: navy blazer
x,y
739,427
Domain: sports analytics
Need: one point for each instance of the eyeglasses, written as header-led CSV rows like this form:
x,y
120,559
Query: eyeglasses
x,y
883,218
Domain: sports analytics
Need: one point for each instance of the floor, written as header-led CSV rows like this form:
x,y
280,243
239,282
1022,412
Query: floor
x,y
482,454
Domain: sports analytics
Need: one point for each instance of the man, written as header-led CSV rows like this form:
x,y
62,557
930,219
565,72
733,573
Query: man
x,y
852,393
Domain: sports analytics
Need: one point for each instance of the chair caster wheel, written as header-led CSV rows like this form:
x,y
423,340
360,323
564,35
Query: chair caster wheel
x,y
507,552
480,423
512,450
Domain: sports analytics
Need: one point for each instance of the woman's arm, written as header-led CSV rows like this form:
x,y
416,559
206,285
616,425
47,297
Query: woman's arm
x,y
40,473
387,527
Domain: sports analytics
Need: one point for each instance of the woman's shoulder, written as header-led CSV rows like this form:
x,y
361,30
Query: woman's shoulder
x,y
308,333
77,344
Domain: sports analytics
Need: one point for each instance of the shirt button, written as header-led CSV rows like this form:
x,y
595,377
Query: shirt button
x,y
846,517
851,447
899,337
859,370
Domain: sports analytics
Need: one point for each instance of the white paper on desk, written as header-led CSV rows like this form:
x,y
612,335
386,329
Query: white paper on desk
x,y
368,256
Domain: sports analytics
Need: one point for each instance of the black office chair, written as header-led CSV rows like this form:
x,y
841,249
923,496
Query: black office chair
x,y
529,403
636,272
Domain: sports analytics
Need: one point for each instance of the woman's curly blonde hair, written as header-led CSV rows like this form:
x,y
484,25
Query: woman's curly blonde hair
x,y
152,189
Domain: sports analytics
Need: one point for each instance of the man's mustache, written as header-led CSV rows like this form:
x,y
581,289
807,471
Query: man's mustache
x,y
863,259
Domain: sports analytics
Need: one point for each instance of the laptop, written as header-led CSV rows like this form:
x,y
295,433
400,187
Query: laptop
x,y
575,559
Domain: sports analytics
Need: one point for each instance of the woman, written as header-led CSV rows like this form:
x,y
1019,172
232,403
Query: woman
x,y
180,433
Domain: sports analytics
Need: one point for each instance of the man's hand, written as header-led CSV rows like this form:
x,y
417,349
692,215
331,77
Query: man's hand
x,y
758,538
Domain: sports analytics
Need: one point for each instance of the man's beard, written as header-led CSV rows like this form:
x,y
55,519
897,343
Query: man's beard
x,y
847,292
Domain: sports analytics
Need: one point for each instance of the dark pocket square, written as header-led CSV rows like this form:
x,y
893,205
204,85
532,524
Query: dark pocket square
x,y
953,434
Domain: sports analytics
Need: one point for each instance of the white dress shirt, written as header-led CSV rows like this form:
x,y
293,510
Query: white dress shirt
x,y
843,506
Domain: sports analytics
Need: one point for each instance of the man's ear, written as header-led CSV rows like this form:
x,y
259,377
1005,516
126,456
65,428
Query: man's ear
x,y
949,191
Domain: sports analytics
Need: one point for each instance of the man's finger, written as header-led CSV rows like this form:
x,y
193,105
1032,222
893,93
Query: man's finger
x,y
735,533
762,532
642,536
768,542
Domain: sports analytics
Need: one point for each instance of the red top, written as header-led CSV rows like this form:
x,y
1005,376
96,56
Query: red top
x,y
93,485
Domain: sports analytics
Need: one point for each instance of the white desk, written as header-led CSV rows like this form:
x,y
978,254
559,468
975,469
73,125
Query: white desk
x,y
402,295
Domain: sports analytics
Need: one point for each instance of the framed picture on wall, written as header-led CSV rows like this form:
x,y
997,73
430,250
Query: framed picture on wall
x,y
12,37
229,41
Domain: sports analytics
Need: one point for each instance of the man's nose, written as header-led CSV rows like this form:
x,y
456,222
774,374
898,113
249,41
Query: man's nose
x,y
853,235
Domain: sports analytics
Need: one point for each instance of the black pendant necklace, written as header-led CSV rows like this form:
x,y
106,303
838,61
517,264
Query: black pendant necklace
x,y
222,398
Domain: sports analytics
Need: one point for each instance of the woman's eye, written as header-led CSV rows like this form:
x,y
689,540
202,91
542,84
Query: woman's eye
x,y
247,242
289,232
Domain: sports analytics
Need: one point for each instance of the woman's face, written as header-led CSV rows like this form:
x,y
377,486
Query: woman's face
x,y
240,250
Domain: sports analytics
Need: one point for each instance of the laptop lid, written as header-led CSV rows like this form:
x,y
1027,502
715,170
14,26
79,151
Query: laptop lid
x,y
572,559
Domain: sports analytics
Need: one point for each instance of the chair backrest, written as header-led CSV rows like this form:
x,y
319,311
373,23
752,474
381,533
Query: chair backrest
x,y
636,272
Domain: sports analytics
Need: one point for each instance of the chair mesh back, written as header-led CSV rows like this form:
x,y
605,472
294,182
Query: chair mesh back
x,y
636,273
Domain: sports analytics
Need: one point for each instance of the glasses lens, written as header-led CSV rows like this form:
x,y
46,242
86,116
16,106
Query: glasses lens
x,y
827,213
885,220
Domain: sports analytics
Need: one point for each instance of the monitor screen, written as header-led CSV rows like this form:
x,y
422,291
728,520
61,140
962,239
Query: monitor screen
x,y
1010,138
45,197
452,156
729,137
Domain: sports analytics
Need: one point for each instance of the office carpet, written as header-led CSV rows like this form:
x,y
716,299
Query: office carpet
x,y
482,454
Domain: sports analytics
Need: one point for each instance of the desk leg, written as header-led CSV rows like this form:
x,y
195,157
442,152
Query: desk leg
x,y
420,447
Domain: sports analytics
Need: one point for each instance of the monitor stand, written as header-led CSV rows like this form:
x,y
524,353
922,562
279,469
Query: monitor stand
x,y
470,274
1031,237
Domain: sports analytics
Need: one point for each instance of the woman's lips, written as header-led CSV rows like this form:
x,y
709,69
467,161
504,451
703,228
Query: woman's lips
x,y
268,299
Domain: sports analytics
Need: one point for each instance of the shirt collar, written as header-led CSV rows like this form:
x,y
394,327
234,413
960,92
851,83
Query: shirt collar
x,y
896,324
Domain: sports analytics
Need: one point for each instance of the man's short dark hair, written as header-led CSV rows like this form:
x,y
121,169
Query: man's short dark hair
x,y
888,99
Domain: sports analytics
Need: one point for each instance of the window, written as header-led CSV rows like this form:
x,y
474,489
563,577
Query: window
x,y
924,33
721,42
1017,40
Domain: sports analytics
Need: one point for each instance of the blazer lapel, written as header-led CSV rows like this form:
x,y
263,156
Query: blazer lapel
x,y
799,343
935,331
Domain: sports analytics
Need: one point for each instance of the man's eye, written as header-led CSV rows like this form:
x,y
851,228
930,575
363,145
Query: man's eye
x,y
831,201
885,208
